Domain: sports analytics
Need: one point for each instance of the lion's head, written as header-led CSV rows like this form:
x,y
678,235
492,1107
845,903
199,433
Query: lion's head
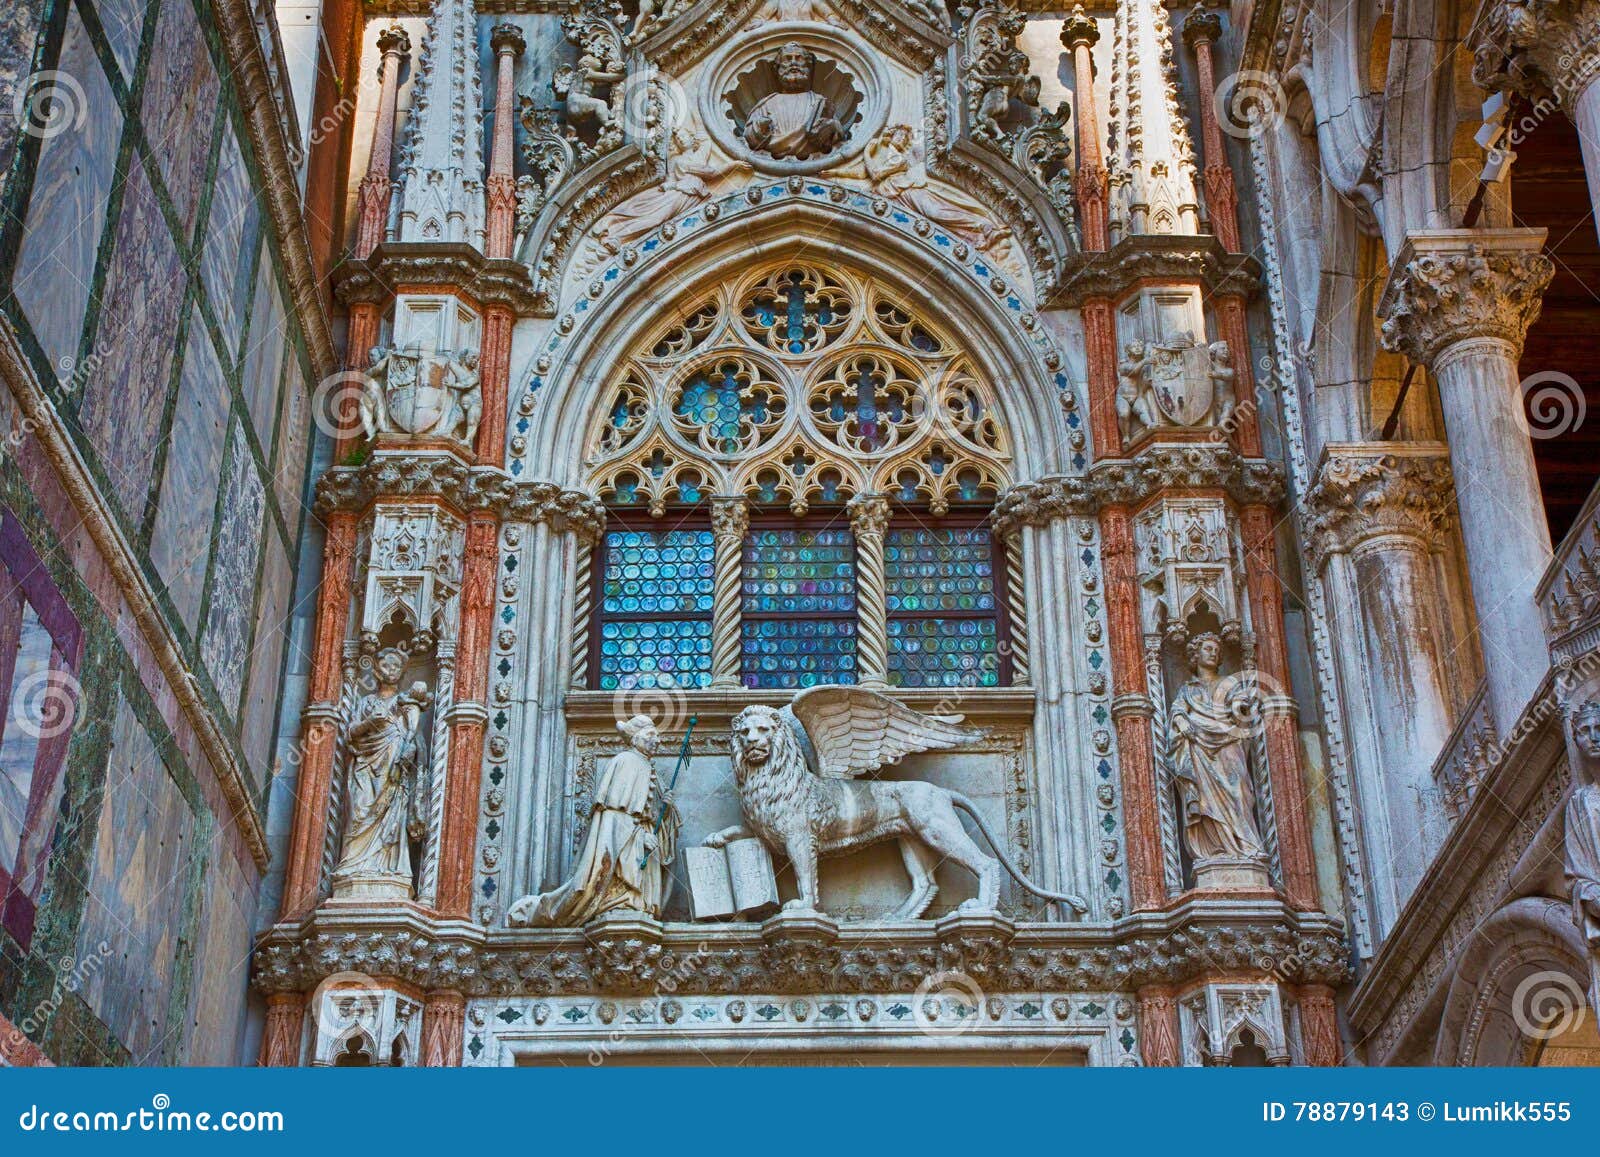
x,y
760,736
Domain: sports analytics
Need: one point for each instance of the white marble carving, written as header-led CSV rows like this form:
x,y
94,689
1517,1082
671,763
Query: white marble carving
x,y
413,395
1174,383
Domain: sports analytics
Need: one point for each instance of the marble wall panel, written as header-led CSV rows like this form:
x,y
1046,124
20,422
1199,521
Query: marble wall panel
x,y
67,211
124,397
139,879
123,22
266,661
294,439
180,104
221,966
231,233
180,541
263,357
226,642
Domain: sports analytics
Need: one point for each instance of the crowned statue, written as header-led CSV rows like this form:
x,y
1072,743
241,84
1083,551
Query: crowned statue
x,y
632,837
795,122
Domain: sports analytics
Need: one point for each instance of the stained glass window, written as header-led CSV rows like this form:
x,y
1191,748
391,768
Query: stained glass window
x,y
944,606
653,608
798,607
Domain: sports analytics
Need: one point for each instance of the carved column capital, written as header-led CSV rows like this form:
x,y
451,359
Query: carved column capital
x,y
1368,490
869,514
1079,28
1453,285
393,41
730,518
506,39
1201,26
1543,49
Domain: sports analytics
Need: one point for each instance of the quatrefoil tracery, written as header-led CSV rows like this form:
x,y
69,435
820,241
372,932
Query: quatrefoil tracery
x,y
797,385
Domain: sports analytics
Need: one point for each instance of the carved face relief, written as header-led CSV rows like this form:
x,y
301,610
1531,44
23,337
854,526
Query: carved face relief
x,y
1586,729
647,741
794,67
753,731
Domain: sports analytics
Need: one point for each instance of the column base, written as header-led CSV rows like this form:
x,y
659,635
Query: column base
x,y
1231,876
363,886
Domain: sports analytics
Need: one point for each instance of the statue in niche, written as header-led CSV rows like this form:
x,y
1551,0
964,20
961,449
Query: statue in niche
x,y
1581,845
384,763
632,837
806,814
412,394
894,169
796,122
1209,727
1178,382
689,166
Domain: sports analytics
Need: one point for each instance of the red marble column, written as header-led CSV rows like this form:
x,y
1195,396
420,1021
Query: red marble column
x,y
1100,350
444,1016
1158,1027
507,42
372,199
1201,29
365,319
1256,528
1319,1026
280,1040
1079,34
1231,328
460,833
1131,711
494,376
303,876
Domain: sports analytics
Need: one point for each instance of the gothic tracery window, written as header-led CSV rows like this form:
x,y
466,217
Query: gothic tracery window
x,y
803,395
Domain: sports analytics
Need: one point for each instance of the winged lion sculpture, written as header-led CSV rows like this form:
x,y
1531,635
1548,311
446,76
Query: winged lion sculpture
x,y
806,814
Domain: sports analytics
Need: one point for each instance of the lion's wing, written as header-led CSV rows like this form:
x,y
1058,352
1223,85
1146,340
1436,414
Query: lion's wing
x,y
855,731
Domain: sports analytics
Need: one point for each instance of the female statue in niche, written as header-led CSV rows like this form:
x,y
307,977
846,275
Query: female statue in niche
x,y
1209,728
632,837
384,759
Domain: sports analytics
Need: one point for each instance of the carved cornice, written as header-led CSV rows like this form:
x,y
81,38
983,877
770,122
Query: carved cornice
x,y
905,31
488,281
1452,285
1134,481
1543,49
1143,257
1165,948
465,488
1368,490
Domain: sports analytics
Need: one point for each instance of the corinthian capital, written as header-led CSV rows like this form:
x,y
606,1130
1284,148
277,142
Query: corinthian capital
x,y
869,514
1451,285
1369,490
1541,48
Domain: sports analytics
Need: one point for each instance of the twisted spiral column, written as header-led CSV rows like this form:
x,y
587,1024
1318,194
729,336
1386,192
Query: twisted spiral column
x,y
730,520
1016,611
869,519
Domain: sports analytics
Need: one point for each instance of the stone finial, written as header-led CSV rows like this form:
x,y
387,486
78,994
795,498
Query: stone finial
x,y
1449,285
1201,25
393,40
1079,28
507,38
1540,48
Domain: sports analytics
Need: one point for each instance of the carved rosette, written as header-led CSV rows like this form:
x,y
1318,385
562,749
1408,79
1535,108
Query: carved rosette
x,y
1366,492
1451,286
1542,49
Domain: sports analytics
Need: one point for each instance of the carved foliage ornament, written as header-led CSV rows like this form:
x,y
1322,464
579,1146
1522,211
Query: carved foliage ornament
x,y
1445,295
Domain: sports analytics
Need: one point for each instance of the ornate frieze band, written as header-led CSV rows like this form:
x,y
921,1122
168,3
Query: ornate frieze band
x,y
467,488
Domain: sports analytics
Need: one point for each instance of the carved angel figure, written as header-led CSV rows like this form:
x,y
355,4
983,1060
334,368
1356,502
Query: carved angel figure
x,y
892,166
632,837
384,759
689,166
807,813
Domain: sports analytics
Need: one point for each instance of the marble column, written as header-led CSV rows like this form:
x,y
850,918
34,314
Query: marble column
x,y
1158,1027
1319,1027
1100,352
444,1016
280,1039
1546,53
730,520
303,874
1131,711
1079,35
869,519
372,199
1202,28
468,719
507,43
1459,302
1377,519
